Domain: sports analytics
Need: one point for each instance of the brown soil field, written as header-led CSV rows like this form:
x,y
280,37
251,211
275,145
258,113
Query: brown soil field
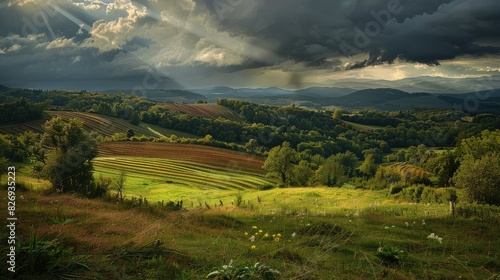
x,y
195,153
204,110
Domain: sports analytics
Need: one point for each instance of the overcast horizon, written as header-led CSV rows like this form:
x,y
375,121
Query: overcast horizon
x,y
119,44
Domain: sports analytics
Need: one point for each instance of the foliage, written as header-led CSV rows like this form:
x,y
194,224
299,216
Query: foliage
x,y
479,170
481,178
68,165
368,166
391,254
20,111
423,194
301,174
479,212
331,173
280,162
40,255
256,271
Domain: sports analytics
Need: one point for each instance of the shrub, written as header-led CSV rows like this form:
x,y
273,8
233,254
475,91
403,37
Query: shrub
x,y
39,256
396,188
390,254
98,188
256,271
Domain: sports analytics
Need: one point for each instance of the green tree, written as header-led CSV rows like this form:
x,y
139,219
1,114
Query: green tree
x,y
331,173
301,174
479,170
368,166
348,160
280,162
69,151
135,119
337,114
130,133
447,170
481,178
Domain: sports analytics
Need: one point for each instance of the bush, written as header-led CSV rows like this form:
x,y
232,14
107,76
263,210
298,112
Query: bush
x,y
265,187
98,188
396,188
256,271
390,254
39,256
423,194
481,212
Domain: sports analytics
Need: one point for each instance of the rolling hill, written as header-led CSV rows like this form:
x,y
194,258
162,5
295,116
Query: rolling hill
x,y
163,95
164,170
103,125
204,110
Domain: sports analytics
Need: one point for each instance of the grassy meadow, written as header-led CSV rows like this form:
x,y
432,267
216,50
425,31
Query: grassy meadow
x,y
304,233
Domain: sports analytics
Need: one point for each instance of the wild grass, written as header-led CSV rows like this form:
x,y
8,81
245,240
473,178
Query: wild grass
x,y
366,240
304,233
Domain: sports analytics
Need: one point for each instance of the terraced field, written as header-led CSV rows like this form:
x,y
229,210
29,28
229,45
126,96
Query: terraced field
x,y
160,171
184,152
205,110
103,125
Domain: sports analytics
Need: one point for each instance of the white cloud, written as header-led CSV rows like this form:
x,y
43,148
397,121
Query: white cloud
x,y
210,54
58,43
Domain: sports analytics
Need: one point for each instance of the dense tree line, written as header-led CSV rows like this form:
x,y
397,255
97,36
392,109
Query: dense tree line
x,y
20,111
304,147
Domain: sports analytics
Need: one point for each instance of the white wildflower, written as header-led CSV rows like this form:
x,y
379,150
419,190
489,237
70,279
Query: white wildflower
x,y
407,224
294,235
423,222
252,239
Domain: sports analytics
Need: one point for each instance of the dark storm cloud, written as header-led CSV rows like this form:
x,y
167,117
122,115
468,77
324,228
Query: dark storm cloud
x,y
40,45
425,31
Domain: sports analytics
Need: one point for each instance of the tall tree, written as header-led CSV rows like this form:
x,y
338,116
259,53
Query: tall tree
x,y
337,114
280,162
481,178
69,149
331,173
368,166
302,173
479,170
449,167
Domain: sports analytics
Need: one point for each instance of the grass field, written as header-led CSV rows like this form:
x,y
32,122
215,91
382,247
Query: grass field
x,y
305,233
205,110
341,243
192,173
103,125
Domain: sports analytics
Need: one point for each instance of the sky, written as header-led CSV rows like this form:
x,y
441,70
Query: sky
x,y
151,44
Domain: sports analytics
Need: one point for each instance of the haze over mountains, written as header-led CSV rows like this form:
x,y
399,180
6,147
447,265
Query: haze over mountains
x,y
423,92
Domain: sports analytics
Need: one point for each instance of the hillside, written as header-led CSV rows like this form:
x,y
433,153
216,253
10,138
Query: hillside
x,y
103,125
163,95
194,153
204,110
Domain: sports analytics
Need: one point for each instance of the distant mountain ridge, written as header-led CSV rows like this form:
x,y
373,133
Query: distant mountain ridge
x,y
163,95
